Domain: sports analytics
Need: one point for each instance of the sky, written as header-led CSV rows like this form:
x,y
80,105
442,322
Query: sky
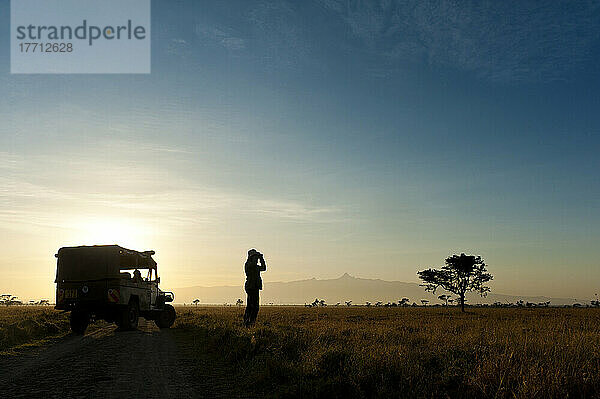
x,y
374,138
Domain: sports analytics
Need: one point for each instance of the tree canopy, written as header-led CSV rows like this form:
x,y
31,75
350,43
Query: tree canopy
x,y
460,274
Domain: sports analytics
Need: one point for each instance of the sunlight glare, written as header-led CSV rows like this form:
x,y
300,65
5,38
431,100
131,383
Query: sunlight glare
x,y
105,231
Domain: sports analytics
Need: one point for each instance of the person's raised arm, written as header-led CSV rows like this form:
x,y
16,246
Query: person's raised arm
x,y
263,265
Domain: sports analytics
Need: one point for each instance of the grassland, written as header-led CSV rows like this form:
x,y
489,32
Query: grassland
x,y
405,352
377,352
27,325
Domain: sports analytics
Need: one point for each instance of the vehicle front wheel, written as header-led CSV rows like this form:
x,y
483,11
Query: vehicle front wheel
x,y
79,321
166,317
129,317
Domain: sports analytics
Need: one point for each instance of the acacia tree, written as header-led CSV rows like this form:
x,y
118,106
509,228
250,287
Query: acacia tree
x,y
459,275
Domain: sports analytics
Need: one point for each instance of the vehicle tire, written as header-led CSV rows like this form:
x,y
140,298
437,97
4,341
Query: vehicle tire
x,y
166,317
79,321
130,317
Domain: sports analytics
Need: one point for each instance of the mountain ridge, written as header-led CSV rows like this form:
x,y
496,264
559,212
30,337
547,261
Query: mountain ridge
x,y
345,288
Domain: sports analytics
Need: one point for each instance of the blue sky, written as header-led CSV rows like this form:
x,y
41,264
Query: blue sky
x,y
374,138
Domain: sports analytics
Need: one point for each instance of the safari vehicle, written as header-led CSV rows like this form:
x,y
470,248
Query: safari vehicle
x,y
95,282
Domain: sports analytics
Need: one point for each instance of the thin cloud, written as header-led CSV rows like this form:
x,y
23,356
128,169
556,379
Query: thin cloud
x,y
133,193
9,161
221,36
293,211
499,41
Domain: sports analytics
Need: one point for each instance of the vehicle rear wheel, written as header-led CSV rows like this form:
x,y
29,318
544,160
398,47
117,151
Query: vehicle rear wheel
x,y
129,317
166,317
79,321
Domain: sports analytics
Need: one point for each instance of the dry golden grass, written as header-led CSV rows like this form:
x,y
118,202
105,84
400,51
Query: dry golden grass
x,y
26,324
380,352
406,352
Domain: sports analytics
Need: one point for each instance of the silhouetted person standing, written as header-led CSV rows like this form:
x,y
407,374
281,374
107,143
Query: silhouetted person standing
x,y
253,284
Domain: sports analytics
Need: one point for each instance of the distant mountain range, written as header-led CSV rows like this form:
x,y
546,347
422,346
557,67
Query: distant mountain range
x,y
344,288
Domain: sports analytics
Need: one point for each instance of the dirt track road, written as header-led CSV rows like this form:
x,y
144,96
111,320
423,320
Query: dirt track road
x,y
147,363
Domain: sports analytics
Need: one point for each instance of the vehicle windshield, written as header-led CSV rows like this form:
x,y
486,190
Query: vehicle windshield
x,y
147,274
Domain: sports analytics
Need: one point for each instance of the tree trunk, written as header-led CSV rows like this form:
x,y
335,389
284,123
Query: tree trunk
x,y
462,302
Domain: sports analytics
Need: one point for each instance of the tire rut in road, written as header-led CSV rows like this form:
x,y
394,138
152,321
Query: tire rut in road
x,y
146,363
